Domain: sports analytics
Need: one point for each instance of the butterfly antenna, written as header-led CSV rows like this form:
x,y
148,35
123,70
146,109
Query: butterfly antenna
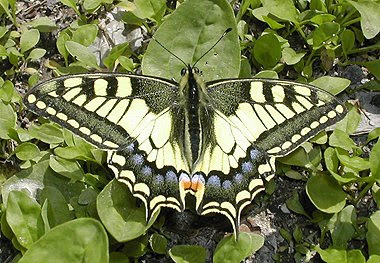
x,y
220,38
158,42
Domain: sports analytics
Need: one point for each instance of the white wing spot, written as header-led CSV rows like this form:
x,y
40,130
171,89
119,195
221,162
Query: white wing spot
x,y
339,108
106,108
96,138
256,91
62,116
302,90
111,144
323,119
85,130
278,93
100,87
41,105
51,111
32,98
314,124
95,103
124,87
331,114
264,116
286,145
73,123
305,131
296,137
297,107
80,100
69,95
53,94
72,82
274,150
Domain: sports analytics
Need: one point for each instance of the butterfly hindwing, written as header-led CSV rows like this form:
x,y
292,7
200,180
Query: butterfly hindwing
x,y
253,121
131,117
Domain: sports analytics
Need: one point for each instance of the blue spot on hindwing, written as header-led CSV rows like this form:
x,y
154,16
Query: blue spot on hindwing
x,y
146,171
214,181
171,177
247,167
137,159
227,184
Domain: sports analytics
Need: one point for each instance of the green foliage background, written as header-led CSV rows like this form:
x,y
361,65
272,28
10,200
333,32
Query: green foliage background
x,y
57,197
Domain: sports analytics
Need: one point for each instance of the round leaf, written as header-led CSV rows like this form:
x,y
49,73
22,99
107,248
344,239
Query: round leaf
x,y
229,250
334,85
370,19
27,151
283,9
77,241
204,21
29,39
325,193
118,212
267,50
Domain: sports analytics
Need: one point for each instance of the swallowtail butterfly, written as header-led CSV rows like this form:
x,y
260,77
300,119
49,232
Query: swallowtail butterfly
x,y
216,140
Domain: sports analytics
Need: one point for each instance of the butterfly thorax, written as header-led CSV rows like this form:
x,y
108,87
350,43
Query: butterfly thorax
x,y
194,103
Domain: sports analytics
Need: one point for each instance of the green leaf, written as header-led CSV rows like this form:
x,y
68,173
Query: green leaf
x,y
57,208
341,139
188,254
290,57
223,61
375,133
373,67
344,229
91,5
137,247
332,164
334,85
77,241
323,34
68,168
267,74
63,37
7,120
373,259
3,31
48,133
115,53
126,63
374,158
350,122
354,162
294,204
325,193
348,40
29,39
27,151
36,54
320,19
82,54
267,50
298,157
7,91
229,250
370,20
152,9
331,255
283,9
373,233
85,35
23,217
43,24
158,243
118,212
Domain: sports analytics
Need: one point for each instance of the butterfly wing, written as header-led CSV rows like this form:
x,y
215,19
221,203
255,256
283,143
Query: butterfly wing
x,y
254,121
130,116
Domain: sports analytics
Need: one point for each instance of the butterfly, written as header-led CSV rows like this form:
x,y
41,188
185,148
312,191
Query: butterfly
x,y
165,140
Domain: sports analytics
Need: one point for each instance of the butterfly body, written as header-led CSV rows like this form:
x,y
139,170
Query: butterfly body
x,y
216,140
